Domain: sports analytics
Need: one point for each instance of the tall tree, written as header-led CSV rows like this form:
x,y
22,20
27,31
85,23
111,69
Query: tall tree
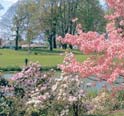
x,y
67,11
55,17
27,9
91,15
47,18
17,24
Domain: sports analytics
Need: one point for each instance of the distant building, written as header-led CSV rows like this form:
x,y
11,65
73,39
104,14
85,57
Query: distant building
x,y
8,43
33,45
40,39
0,42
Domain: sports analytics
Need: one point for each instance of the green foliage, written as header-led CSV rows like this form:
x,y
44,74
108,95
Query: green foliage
x,y
3,82
10,68
92,93
120,97
88,17
54,17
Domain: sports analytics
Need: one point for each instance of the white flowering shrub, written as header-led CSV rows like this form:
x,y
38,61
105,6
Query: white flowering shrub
x,y
103,103
68,91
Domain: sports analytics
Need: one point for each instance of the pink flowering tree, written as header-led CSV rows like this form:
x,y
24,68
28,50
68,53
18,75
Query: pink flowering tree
x,y
106,54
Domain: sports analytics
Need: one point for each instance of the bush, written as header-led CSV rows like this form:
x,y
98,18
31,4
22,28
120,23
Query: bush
x,y
16,68
32,92
10,68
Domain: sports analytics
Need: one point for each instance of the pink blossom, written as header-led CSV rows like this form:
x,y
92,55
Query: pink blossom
x,y
122,22
108,50
74,19
72,99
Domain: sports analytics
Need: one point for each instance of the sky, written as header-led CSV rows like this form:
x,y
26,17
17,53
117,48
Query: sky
x,y
102,1
6,4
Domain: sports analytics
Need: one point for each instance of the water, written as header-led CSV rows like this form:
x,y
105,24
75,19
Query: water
x,y
7,75
98,84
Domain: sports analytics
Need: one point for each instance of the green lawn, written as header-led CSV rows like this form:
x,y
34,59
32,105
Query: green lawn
x,y
11,58
117,113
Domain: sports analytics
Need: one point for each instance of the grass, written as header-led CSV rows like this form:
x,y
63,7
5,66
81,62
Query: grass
x,y
12,58
117,113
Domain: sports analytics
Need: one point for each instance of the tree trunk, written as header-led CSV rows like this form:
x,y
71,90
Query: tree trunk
x,y
70,46
64,46
29,47
54,42
75,109
51,46
17,38
50,43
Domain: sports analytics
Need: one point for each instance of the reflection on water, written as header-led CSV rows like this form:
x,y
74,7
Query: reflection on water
x,y
90,84
7,75
98,85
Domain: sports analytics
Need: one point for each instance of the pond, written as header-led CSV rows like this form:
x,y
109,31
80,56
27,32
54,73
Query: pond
x,y
7,75
88,82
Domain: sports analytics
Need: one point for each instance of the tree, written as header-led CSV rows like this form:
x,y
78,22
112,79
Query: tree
x,y
17,23
47,18
106,59
57,17
88,17
67,11
27,9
